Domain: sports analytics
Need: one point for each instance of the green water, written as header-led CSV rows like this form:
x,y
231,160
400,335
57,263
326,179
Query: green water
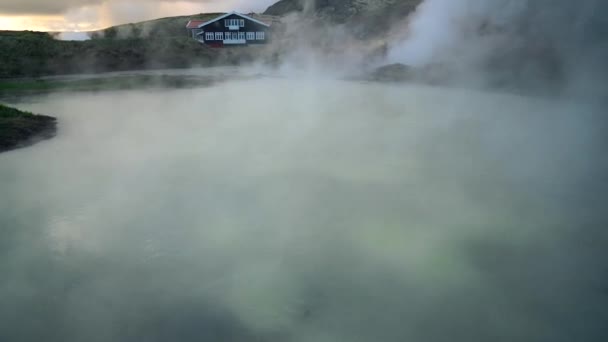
x,y
281,210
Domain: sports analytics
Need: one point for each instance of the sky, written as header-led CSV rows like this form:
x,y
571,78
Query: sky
x,y
85,15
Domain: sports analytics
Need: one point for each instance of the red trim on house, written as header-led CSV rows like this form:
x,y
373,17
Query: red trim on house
x,y
192,24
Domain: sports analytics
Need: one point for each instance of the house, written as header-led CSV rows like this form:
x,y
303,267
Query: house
x,y
230,29
193,29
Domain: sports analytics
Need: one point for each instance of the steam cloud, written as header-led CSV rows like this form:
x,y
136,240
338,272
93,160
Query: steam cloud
x,y
539,38
308,210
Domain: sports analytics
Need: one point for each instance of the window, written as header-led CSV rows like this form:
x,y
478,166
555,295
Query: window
x,y
227,35
234,22
259,35
209,36
219,35
241,35
250,35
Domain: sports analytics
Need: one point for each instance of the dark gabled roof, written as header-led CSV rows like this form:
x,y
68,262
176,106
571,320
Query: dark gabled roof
x,y
229,14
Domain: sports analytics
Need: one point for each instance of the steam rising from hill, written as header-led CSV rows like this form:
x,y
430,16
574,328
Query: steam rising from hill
x,y
503,40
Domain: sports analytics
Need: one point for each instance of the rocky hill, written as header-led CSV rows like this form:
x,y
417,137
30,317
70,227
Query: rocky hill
x,y
367,18
338,10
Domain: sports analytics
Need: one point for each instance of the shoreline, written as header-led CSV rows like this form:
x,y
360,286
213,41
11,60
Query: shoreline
x,y
20,129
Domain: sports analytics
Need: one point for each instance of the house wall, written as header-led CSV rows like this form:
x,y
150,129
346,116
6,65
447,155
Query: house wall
x,y
194,32
250,26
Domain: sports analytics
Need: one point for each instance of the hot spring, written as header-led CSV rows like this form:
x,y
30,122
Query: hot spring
x,y
299,210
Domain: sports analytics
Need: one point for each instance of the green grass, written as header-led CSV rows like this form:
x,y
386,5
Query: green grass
x,y
9,112
157,28
94,83
25,54
19,128
32,54
153,44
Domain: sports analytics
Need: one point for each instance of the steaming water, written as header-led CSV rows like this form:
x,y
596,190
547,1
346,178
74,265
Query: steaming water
x,y
279,210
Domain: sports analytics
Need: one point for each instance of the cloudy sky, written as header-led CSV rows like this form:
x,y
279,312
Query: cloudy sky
x,y
83,15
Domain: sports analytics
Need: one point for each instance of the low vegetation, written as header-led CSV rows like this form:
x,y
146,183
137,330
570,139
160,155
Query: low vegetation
x,y
18,128
159,28
34,54
165,43
105,82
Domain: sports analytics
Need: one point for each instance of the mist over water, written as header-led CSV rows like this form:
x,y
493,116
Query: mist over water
x,y
292,210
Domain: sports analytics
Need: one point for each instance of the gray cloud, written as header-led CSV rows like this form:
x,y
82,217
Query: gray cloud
x,y
79,15
62,6
43,7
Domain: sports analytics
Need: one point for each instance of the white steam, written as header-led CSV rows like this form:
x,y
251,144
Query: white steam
x,y
289,210
553,41
440,26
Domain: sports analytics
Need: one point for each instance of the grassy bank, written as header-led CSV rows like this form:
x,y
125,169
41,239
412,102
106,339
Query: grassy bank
x,y
35,54
100,83
19,129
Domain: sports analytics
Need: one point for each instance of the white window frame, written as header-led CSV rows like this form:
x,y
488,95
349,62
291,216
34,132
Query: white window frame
x,y
234,22
219,35
241,35
250,35
209,36
260,35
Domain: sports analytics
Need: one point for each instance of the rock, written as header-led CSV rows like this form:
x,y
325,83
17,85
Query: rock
x,y
392,73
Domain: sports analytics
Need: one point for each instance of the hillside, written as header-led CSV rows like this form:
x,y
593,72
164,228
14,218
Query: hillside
x,y
33,54
366,17
338,10
130,47
159,28
153,44
337,30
